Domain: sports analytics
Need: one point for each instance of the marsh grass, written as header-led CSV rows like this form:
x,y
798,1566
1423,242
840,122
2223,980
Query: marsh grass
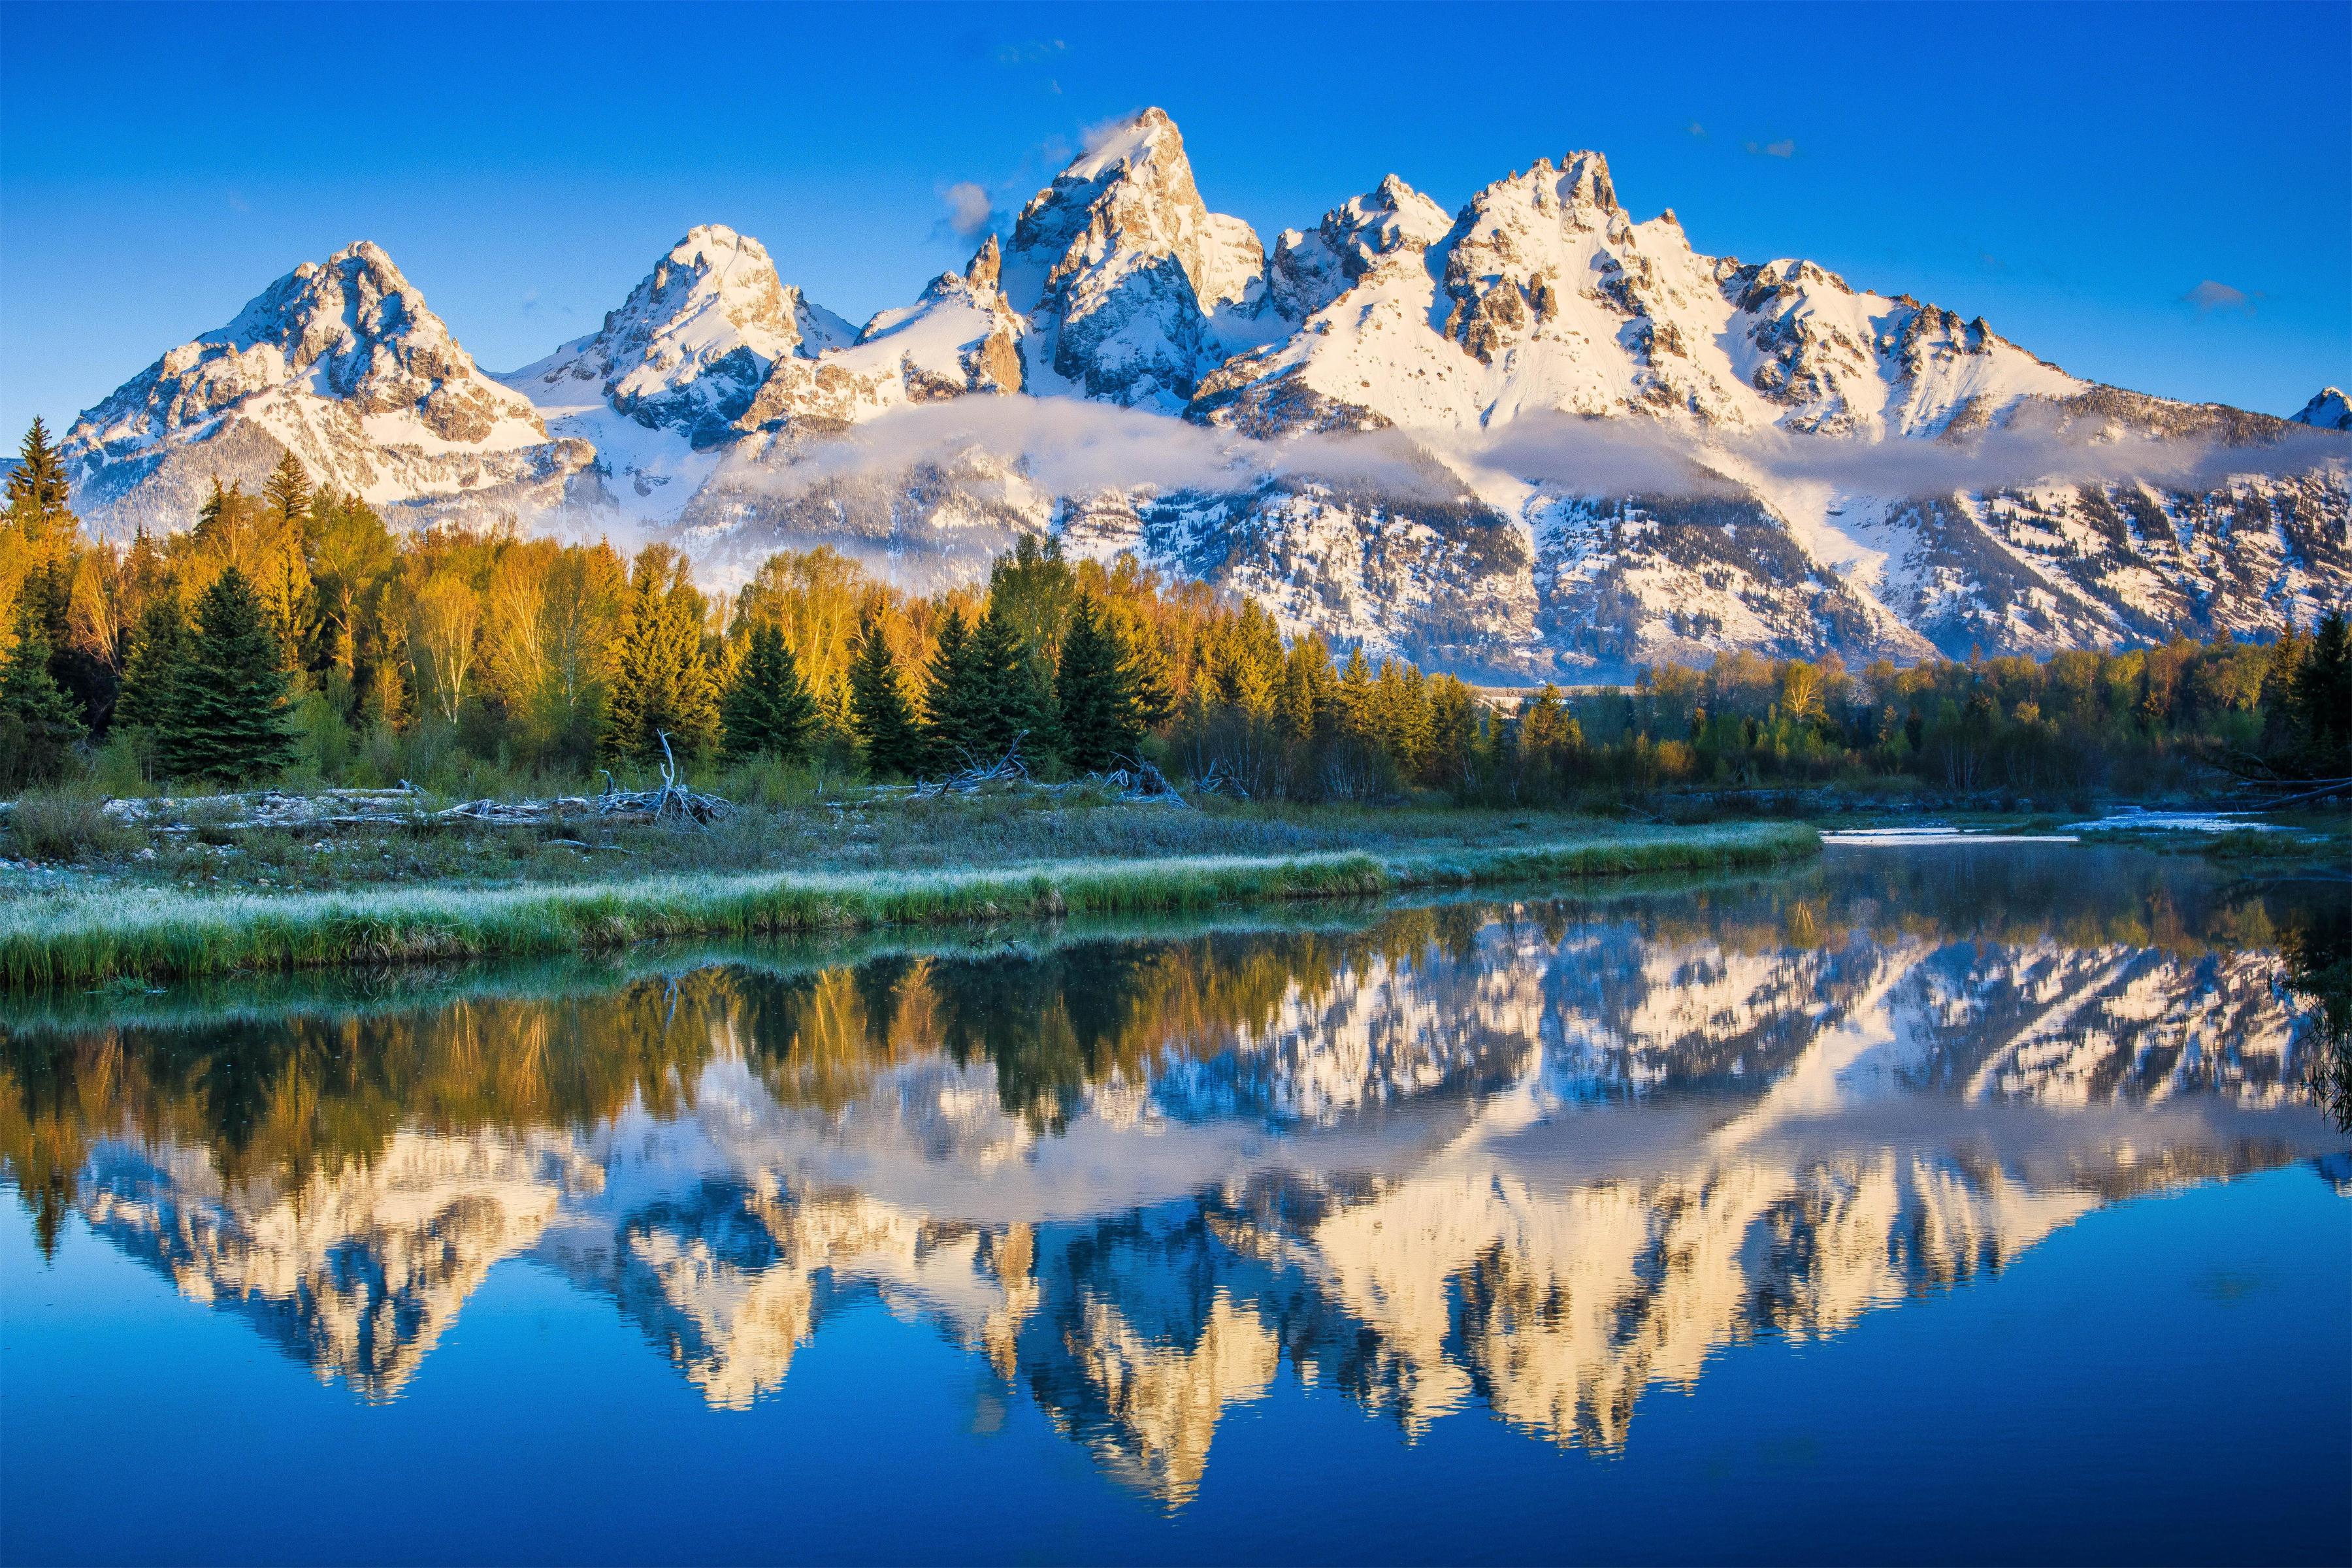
x,y
69,825
91,936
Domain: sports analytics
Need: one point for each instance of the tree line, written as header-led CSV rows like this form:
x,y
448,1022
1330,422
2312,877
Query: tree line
x,y
2078,723
293,631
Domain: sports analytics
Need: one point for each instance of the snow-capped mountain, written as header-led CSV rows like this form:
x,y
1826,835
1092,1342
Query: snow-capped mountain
x,y
691,345
1536,435
2329,409
342,363
1133,290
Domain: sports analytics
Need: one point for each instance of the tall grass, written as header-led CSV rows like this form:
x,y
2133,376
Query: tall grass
x,y
68,825
79,939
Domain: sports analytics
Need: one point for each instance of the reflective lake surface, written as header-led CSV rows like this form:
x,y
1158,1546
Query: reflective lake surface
x,y
1942,1204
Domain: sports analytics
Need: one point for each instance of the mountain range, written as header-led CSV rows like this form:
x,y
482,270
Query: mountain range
x,y
1532,438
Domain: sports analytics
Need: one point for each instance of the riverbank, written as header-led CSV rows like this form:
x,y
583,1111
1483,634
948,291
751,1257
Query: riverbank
x,y
82,936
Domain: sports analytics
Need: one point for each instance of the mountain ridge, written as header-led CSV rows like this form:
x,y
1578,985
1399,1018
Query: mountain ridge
x,y
1783,420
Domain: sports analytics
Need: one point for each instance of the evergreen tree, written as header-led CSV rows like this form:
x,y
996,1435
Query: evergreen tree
x,y
228,719
1011,702
1310,689
39,724
878,713
2322,698
37,488
954,698
1353,694
40,539
662,682
289,592
287,492
1099,721
767,709
1145,658
151,669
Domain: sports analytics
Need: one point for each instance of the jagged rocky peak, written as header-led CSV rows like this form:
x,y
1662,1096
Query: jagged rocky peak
x,y
987,265
1119,266
2329,409
1582,180
350,328
689,348
1527,246
958,336
340,362
1310,268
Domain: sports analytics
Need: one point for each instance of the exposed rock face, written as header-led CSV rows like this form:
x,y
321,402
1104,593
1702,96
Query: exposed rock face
x,y
1541,305
1312,268
339,361
690,347
1118,264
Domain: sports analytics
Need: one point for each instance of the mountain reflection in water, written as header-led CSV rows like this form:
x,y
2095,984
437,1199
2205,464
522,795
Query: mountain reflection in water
x,y
1536,1155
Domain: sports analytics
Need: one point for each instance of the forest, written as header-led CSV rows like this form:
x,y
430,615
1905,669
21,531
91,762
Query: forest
x,y
293,636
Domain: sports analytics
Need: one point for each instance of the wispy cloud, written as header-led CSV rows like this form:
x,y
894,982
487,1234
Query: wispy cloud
x,y
1070,448
1784,148
2210,296
1698,130
1032,51
1092,137
972,211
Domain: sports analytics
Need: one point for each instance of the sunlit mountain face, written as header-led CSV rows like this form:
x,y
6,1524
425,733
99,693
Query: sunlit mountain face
x,y
1528,1158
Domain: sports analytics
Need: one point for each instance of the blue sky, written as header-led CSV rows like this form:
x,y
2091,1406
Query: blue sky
x,y
2157,196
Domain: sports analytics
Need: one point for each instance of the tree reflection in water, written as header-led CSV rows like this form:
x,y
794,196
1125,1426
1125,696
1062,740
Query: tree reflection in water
x,y
2318,948
1538,1155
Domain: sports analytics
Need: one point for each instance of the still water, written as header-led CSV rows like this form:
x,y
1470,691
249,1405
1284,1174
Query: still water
x,y
1922,1203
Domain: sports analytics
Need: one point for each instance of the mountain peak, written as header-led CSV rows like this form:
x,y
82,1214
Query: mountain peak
x,y
1584,180
987,263
340,361
1118,263
690,347
367,253
1148,136
1312,267
2329,409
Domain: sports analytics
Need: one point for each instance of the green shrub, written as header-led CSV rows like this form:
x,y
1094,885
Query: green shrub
x,y
69,824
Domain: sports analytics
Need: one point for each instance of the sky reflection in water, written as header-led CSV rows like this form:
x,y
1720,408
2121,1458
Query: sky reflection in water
x,y
1333,1236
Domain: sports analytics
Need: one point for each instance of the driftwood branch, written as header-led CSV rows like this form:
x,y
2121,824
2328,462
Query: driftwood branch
x,y
344,809
1008,769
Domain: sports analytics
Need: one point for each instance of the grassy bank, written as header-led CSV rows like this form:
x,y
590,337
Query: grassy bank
x,y
83,936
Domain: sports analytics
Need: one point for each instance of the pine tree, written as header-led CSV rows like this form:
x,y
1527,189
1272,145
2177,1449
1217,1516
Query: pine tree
x,y
227,718
2322,698
1011,706
37,488
289,593
1354,696
1099,721
878,713
1309,692
767,709
662,683
954,698
1144,657
151,669
287,492
39,724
